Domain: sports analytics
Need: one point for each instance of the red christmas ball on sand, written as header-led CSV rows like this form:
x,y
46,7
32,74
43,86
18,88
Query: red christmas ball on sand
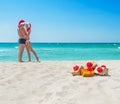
x,y
99,69
90,69
76,67
89,64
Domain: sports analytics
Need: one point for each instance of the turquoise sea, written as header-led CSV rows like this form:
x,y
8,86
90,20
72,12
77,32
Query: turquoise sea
x,y
63,51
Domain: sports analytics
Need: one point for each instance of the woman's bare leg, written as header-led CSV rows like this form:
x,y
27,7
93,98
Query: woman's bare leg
x,y
34,53
28,52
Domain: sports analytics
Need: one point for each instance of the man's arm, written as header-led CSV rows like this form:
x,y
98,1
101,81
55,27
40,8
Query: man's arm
x,y
18,32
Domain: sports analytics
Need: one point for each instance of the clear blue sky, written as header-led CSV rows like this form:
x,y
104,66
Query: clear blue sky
x,y
62,20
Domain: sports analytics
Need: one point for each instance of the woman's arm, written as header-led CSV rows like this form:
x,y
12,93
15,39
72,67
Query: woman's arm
x,y
29,32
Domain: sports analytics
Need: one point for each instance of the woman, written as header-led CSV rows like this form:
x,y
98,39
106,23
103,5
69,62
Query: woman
x,y
28,44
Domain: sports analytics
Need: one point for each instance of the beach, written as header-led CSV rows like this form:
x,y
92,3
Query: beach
x,y
51,82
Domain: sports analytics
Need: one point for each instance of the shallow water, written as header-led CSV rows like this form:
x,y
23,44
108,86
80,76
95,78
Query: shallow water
x,y
63,51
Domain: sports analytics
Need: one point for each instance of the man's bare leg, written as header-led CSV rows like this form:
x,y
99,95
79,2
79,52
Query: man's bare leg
x,y
20,53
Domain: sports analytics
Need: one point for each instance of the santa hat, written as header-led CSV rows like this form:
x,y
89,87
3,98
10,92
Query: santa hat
x,y
21,22
29,26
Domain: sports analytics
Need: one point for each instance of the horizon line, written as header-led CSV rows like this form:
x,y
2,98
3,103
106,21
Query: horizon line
x,y
65,42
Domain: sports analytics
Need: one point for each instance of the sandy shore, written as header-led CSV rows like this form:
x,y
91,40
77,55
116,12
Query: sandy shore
x,y
51,82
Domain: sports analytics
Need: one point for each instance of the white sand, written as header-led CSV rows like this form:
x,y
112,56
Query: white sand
x,y
50,82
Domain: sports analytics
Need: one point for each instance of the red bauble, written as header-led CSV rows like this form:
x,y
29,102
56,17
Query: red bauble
x,y
76,67
89,64
99,69
90,69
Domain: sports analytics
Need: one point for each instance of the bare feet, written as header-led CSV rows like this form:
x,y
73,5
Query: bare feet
x,y
20,61
38,59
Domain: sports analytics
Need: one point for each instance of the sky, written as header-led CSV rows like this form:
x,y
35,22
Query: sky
x,y
78,21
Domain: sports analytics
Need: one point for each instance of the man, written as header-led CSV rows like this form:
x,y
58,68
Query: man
x,y
22,40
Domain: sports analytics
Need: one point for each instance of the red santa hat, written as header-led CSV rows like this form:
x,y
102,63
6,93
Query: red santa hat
x,y
21,22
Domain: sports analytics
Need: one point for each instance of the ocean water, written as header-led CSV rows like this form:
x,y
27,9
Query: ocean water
x,y
63,51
